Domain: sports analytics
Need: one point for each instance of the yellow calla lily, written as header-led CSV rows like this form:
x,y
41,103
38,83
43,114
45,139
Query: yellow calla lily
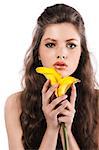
x,y
55,77
64,84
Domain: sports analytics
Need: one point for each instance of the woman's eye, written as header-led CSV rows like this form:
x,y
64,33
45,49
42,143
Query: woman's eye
x,y
71,45
50,45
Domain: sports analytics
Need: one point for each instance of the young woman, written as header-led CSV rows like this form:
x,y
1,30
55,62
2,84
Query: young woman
x,y
32,118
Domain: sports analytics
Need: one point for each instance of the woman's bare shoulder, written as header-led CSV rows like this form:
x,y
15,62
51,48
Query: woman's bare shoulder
x,y
13,110
12,121
13,103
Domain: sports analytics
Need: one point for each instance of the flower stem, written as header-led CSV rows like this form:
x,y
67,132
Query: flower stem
x,y
65,136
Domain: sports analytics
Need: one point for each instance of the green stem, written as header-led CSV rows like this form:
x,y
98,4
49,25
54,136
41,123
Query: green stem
x,y
65,136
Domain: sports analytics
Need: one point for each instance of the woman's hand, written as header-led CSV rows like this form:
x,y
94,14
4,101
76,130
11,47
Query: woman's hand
x,y
69,110
49,108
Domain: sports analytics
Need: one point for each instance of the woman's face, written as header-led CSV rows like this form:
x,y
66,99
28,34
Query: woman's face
x,y
60,48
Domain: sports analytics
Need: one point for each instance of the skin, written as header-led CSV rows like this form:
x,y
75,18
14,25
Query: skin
x,y
61,40
51,117
58,39
61,33
51,113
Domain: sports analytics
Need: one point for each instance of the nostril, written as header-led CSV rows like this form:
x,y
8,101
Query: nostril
x,y
62,57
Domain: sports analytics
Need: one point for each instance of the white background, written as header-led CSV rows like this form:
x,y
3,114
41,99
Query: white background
x,y
17,20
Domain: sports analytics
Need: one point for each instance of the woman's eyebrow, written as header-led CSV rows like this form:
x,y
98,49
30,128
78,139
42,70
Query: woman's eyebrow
x,y
51,39
72,40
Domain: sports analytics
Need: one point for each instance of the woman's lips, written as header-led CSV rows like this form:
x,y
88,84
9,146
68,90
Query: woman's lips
x,y
60,65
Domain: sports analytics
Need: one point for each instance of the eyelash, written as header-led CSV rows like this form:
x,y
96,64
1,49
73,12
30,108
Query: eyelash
x,y
71,44
49,45
68,45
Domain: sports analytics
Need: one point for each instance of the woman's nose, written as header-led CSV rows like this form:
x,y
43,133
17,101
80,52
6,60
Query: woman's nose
x,y
62,52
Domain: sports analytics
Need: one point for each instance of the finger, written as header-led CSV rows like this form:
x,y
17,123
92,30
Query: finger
x,y
66,112
60,108
73,96
45,86
51,90
68,105
46,95
57,101
65,119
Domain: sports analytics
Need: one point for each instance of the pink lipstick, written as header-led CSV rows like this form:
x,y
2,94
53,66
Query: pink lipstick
x,y
60,65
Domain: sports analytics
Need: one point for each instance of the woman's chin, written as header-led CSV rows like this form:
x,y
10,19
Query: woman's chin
x,y
63,73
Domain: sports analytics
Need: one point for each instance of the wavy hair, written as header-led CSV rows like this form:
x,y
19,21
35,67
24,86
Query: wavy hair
x,y
33,123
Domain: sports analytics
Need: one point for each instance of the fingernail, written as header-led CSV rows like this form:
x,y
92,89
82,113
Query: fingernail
x,y
56,85
48,80
65,96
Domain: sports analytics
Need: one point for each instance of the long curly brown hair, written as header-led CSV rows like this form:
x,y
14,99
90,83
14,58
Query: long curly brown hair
x,y
85,124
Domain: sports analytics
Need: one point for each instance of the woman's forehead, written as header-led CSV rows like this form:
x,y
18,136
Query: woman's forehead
x,y
64,31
